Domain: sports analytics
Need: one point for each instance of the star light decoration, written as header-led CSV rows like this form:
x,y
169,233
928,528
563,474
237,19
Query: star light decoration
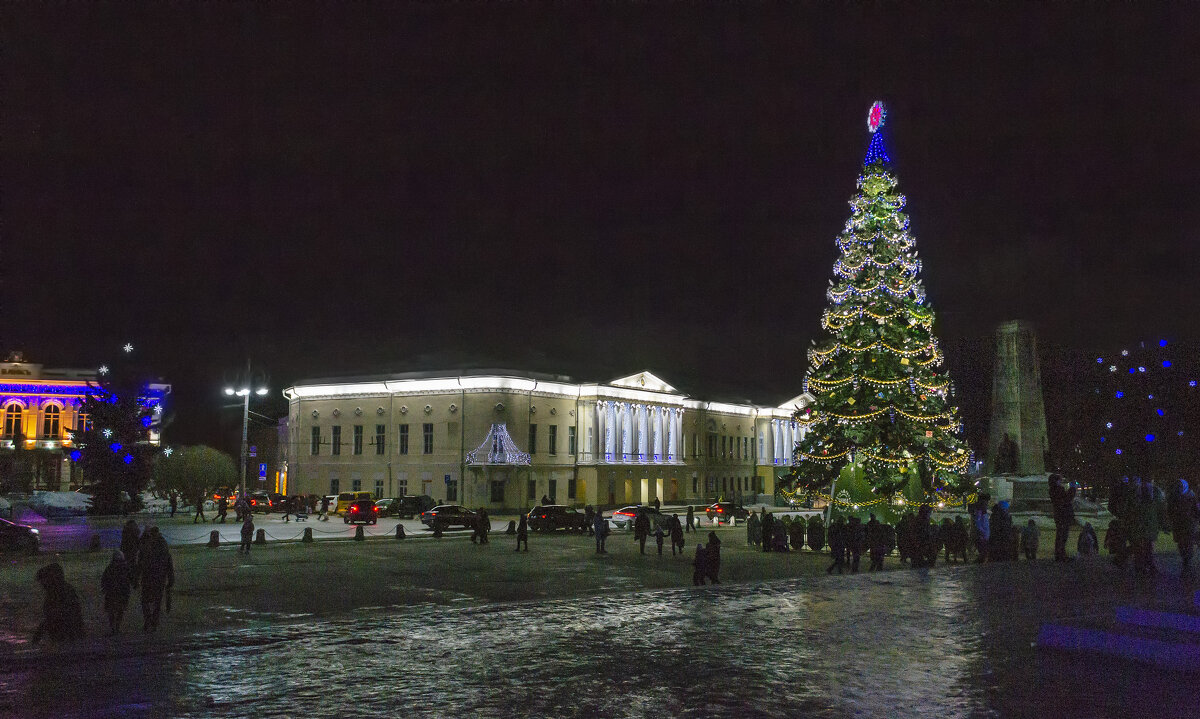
x,y
103,369
168,451
106,432
128,348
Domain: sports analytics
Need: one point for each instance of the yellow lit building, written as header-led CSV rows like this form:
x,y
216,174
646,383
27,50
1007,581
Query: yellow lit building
x,y
506,440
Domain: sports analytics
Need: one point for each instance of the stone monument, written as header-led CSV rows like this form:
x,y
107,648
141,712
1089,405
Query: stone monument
x,y
1017,447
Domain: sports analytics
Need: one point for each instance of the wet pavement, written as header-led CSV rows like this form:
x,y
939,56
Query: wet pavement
x,y
954,642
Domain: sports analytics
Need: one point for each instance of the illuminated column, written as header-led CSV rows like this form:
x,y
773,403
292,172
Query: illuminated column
x,y
643,443
601,426
659,448
678,443
611,430
626,430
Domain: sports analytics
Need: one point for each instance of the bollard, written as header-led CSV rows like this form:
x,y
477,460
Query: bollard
x,y
437,531
260,537
400,531
358,533
214,539
307,535
94,543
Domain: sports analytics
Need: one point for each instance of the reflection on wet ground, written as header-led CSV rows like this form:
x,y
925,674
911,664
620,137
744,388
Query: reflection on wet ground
x,y
896,644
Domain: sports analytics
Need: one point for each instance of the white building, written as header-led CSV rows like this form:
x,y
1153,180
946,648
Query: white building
x,y
504,440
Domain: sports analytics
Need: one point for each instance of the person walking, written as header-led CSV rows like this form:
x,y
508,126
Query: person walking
x,y
222,509
1029,540
1002,541
1062,499
676,534
115,585
484,523
837,545
589,518
712,558
325,509
62,614
753,530
1184,514
641,528
876,543
1146,519
659,536
247,534
289,506
856,542
158,576
523,533
131,539
174,504
600,529
200,498
699,566
767,532
691,520
982,527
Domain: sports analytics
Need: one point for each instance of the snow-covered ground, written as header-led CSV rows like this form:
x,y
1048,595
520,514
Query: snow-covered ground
x,y
60,504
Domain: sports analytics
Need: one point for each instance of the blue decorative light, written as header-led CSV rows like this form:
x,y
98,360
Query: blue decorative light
x,y
1118,451
1132,370
128,459
146,421
1099,360
1160,412
1166,363
1162,343
1192,383
1141,369
1101,440
876,151
1149,438
115,446
1120,394
76,456
1108,425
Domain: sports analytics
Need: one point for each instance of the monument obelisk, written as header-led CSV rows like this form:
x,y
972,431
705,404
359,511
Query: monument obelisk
x,y
1017,446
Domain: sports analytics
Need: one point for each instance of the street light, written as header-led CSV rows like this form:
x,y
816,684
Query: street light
x,y
244,393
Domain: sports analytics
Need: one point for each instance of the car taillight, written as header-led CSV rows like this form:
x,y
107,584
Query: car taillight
x,y
376,509
720,510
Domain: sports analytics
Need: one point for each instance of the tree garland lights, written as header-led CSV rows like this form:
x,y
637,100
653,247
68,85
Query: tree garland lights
x,y
882,403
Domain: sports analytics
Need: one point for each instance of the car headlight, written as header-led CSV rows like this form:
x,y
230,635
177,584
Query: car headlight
x,y
33,531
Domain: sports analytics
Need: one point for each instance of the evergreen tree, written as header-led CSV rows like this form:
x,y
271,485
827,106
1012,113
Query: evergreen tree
x,y
113,447
882,419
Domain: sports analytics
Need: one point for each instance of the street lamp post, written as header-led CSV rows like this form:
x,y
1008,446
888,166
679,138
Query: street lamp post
x,y
244,393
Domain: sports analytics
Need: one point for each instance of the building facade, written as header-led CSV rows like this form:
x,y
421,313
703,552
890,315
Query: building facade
x,y
507,440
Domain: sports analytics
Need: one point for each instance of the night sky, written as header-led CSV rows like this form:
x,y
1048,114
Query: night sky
x,y
333,189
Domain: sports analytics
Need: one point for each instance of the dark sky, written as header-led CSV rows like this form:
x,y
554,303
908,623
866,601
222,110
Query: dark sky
x,y
331,189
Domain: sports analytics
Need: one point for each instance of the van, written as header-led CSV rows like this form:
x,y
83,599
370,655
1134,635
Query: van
x,y
345,499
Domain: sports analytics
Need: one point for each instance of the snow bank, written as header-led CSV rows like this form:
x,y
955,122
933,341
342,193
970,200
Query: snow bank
x,y
60,504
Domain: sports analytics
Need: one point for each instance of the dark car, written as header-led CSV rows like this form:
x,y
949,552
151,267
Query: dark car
x,y
724,511
362,511
623,518
445,516
18,537
549,517
411,505
386,506
260,502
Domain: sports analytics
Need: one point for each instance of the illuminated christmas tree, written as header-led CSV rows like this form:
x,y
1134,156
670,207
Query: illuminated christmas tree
x,y
882,425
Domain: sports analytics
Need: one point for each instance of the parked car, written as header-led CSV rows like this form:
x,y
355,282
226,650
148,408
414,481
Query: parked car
x,y
260,502
386,506
18,537
362,511
623,517
345,499
723,511
549,517
445,516
332,503
229,494
410,505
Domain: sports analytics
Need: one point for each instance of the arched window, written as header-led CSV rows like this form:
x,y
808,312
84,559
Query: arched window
x,y
51,414
12,420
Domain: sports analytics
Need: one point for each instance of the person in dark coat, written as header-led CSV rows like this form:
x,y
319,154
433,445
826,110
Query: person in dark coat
x,y
546,500
837,545
712,558
114,584
660,536
1146,519
523,533
62,614
876,543
691,519
600,529
324,509
174,504
247,534
200,498
641,528
1183,513
657,503
1062,498
676,534
589,516
131,538
222,509
754,529
484,523
981,527
768,530
699,565
1029,540
158,576
1116,541
1087,544
856,542
1002,541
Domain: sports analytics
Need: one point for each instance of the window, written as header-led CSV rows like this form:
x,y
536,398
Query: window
x,y
336,442
533,439
356,485
695,445
402,484
316,442
358,434
762,445
746,447
712,445
12,420
380,438
50,421
427,430
497,492
81,422
452,490
695,489
571,488
571,445
552,439
532,493
404,439
335,486
379,489
591,448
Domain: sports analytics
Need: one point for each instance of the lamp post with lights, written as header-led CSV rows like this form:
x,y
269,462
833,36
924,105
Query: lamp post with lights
x,y
244,393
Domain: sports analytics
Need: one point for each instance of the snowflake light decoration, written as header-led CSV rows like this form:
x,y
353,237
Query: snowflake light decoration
x,y
107,433
128,348
103,369
168,450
